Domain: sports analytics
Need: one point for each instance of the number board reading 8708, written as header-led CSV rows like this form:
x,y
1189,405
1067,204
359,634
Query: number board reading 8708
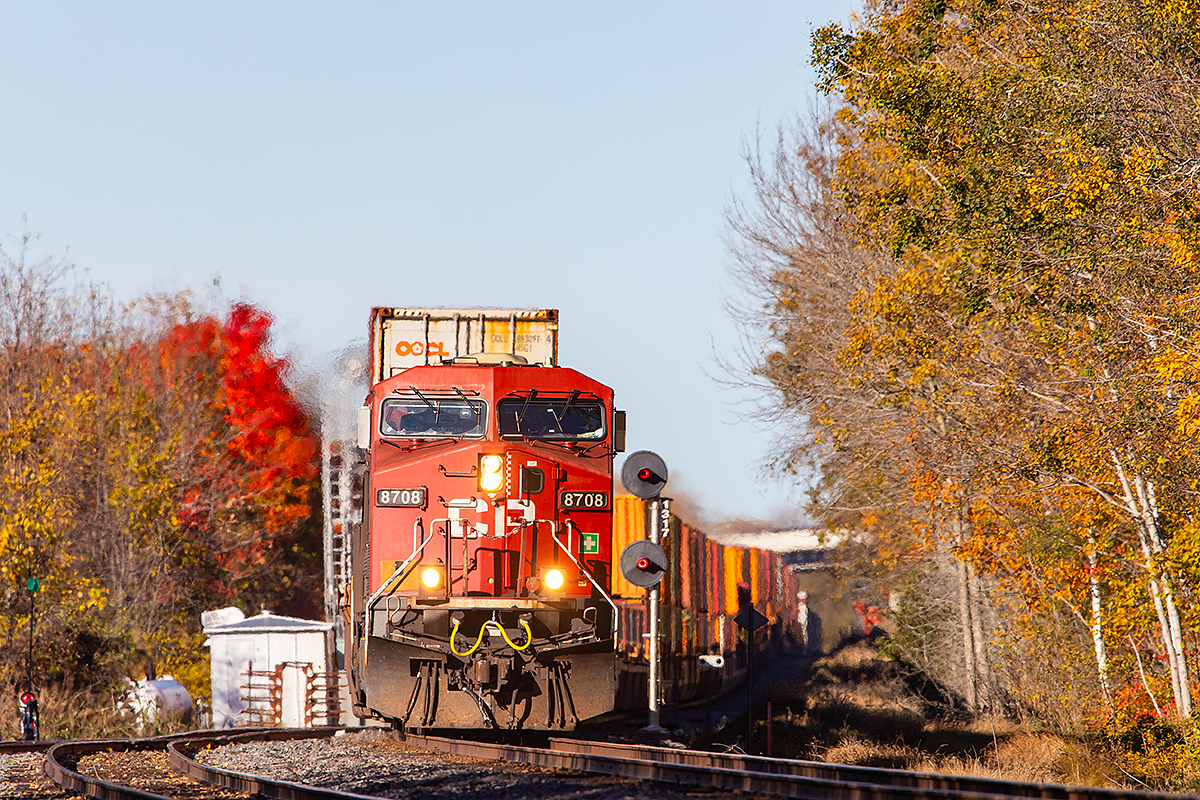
x,y
407,498
583,501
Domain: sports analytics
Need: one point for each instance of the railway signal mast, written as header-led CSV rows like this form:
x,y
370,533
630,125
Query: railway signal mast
x,y
644,563
29,703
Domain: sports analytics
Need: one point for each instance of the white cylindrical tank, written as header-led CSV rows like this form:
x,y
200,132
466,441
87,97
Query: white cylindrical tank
x,y
152,699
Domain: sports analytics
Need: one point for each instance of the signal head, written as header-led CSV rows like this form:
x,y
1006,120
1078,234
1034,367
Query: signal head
x,y
644,474
643,563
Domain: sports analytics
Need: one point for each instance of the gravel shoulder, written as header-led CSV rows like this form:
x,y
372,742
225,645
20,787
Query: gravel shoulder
x,y
21,778
374,764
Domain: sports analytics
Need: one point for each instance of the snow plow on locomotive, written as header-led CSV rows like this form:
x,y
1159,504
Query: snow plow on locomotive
x,y
480,592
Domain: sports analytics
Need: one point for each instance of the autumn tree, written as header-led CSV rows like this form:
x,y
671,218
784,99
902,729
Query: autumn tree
x,y
1015,364
205,467
41,314
1027,160
870,434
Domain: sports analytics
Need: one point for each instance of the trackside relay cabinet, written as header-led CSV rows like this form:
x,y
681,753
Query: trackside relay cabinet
x,y
263,668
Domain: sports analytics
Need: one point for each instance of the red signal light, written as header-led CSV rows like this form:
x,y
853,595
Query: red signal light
x,y
643,563
644,474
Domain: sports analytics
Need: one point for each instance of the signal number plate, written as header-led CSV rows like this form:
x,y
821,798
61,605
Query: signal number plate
x,y
406,498
583,501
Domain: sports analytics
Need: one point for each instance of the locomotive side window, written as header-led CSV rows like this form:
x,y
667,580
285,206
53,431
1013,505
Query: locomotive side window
x,y
432,418
564,419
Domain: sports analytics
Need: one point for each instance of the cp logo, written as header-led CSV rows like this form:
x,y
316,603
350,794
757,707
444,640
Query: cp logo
x,y
418,349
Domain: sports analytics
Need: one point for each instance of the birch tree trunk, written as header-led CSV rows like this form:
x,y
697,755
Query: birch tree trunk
x,y
1138,496
1158,546
1097,620
983,673
964,610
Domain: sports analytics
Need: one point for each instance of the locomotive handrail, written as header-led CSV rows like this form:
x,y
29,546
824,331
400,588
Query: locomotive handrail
x,y
461,503
566,549
401,571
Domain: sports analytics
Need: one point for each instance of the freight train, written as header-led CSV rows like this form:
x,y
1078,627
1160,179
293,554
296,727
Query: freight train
x,y
482,588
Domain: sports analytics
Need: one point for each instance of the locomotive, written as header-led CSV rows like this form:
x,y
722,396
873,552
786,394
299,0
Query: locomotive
x,y
481,568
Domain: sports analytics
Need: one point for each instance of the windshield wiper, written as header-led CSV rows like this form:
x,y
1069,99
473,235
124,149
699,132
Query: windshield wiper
x,y
559,416
521,414
437,410
586,452
477,409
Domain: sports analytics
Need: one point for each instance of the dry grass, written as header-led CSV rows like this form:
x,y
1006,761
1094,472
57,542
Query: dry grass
x,y
75,715
860,712
1034,758
857,707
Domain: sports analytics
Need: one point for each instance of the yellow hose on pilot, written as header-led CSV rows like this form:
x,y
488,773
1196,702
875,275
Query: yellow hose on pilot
x,y
484,627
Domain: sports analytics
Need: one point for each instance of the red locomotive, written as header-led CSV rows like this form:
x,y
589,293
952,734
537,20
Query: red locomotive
x,y
481,570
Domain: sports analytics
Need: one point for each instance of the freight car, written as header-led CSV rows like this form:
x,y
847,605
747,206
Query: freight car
x,y
483,592
706,587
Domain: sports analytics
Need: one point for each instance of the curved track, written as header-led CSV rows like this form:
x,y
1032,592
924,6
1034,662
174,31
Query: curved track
x,y
62,758
773,776
751,774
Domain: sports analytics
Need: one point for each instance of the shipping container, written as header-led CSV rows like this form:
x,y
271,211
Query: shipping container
x,y
629,525
409,337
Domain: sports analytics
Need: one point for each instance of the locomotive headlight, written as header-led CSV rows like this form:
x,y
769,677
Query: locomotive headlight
x,y
431,581
431,577
554,580
491,473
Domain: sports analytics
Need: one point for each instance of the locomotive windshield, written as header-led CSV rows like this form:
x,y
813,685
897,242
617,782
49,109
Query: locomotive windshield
x,y
564,419
432,418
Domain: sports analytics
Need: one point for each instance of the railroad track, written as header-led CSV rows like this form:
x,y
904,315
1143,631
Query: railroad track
x,y
775,776
754,775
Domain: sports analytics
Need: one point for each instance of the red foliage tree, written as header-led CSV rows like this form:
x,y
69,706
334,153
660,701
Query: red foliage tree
x,y
243,453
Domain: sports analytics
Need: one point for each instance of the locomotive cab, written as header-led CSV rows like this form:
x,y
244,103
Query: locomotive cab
x,y
480,594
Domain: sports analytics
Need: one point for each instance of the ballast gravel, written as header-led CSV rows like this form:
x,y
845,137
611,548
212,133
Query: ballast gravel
x,y
148,771
374,764
21,778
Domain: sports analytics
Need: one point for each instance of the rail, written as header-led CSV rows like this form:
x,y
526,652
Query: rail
x,y
762,775
179,756
757,775
73,780
68,778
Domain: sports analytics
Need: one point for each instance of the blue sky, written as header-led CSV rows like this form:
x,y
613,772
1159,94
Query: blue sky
x,y
321,159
